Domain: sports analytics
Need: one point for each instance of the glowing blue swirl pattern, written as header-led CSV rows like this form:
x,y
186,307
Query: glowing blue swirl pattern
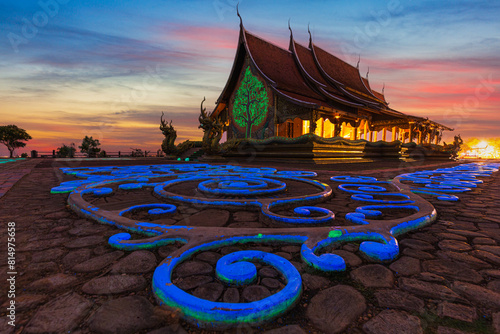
x,y
264,189
153,209
444,182
238,186
218,315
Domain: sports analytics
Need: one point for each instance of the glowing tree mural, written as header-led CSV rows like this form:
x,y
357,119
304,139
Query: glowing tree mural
x,y
250,103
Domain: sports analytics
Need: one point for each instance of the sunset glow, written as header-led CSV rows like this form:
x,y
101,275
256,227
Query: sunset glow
x,y
481,148
108,69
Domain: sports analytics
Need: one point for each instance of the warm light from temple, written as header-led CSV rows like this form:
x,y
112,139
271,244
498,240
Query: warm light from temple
x,y
481,149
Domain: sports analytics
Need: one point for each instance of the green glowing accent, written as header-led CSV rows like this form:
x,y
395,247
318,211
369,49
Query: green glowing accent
x,y
187,159
60,192
3,161
259,235
250,103
334,234
178,159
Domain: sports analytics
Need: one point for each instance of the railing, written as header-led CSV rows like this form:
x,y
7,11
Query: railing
x,y
105,154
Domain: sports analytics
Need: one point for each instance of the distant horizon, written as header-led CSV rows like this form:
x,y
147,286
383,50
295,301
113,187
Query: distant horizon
x,y
108,69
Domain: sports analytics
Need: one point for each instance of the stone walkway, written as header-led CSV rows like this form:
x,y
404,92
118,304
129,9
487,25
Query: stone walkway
x,y
11,172
446,281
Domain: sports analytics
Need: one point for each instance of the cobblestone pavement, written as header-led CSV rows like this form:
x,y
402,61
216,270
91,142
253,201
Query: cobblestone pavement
x,y
446,280
11,172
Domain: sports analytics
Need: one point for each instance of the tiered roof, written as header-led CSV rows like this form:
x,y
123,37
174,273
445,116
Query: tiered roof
x,y
311,77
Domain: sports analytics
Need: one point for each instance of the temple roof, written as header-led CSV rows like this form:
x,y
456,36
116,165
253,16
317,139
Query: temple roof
x,y
279,65
308,76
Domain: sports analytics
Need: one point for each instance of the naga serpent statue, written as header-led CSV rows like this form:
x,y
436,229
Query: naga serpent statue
x,y
212,129
168,144
454,147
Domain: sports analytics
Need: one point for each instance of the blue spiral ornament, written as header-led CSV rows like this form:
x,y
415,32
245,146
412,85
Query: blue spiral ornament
x,y
220,315
238,186
234,270
267,190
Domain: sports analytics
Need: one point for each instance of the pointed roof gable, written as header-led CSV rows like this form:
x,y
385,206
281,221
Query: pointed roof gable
x,y
306,62
279,66
308,76
338,71
295,73
378,95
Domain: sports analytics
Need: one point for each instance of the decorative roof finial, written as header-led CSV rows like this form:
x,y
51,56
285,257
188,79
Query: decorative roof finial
x,y
238,13
359,59
291,46
368,72
383,89
310,36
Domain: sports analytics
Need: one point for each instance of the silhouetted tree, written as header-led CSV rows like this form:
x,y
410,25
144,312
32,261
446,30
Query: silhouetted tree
x,y
66,151
136,152
13,137
90,146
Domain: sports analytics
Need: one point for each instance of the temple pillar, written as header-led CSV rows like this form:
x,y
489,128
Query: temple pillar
x,y
420,138
437,138
394,133
338,130
375,135
366,130
410,131
384,134
312,127
313,124
353,133
337,127
371,135
432,135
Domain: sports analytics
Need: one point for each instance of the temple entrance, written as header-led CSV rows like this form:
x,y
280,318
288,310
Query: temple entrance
x,y
290,128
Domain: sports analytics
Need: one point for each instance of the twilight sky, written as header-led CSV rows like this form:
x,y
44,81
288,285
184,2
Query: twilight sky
x,y
70,68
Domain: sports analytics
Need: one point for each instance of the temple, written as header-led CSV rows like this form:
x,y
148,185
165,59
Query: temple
x,y
274,92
